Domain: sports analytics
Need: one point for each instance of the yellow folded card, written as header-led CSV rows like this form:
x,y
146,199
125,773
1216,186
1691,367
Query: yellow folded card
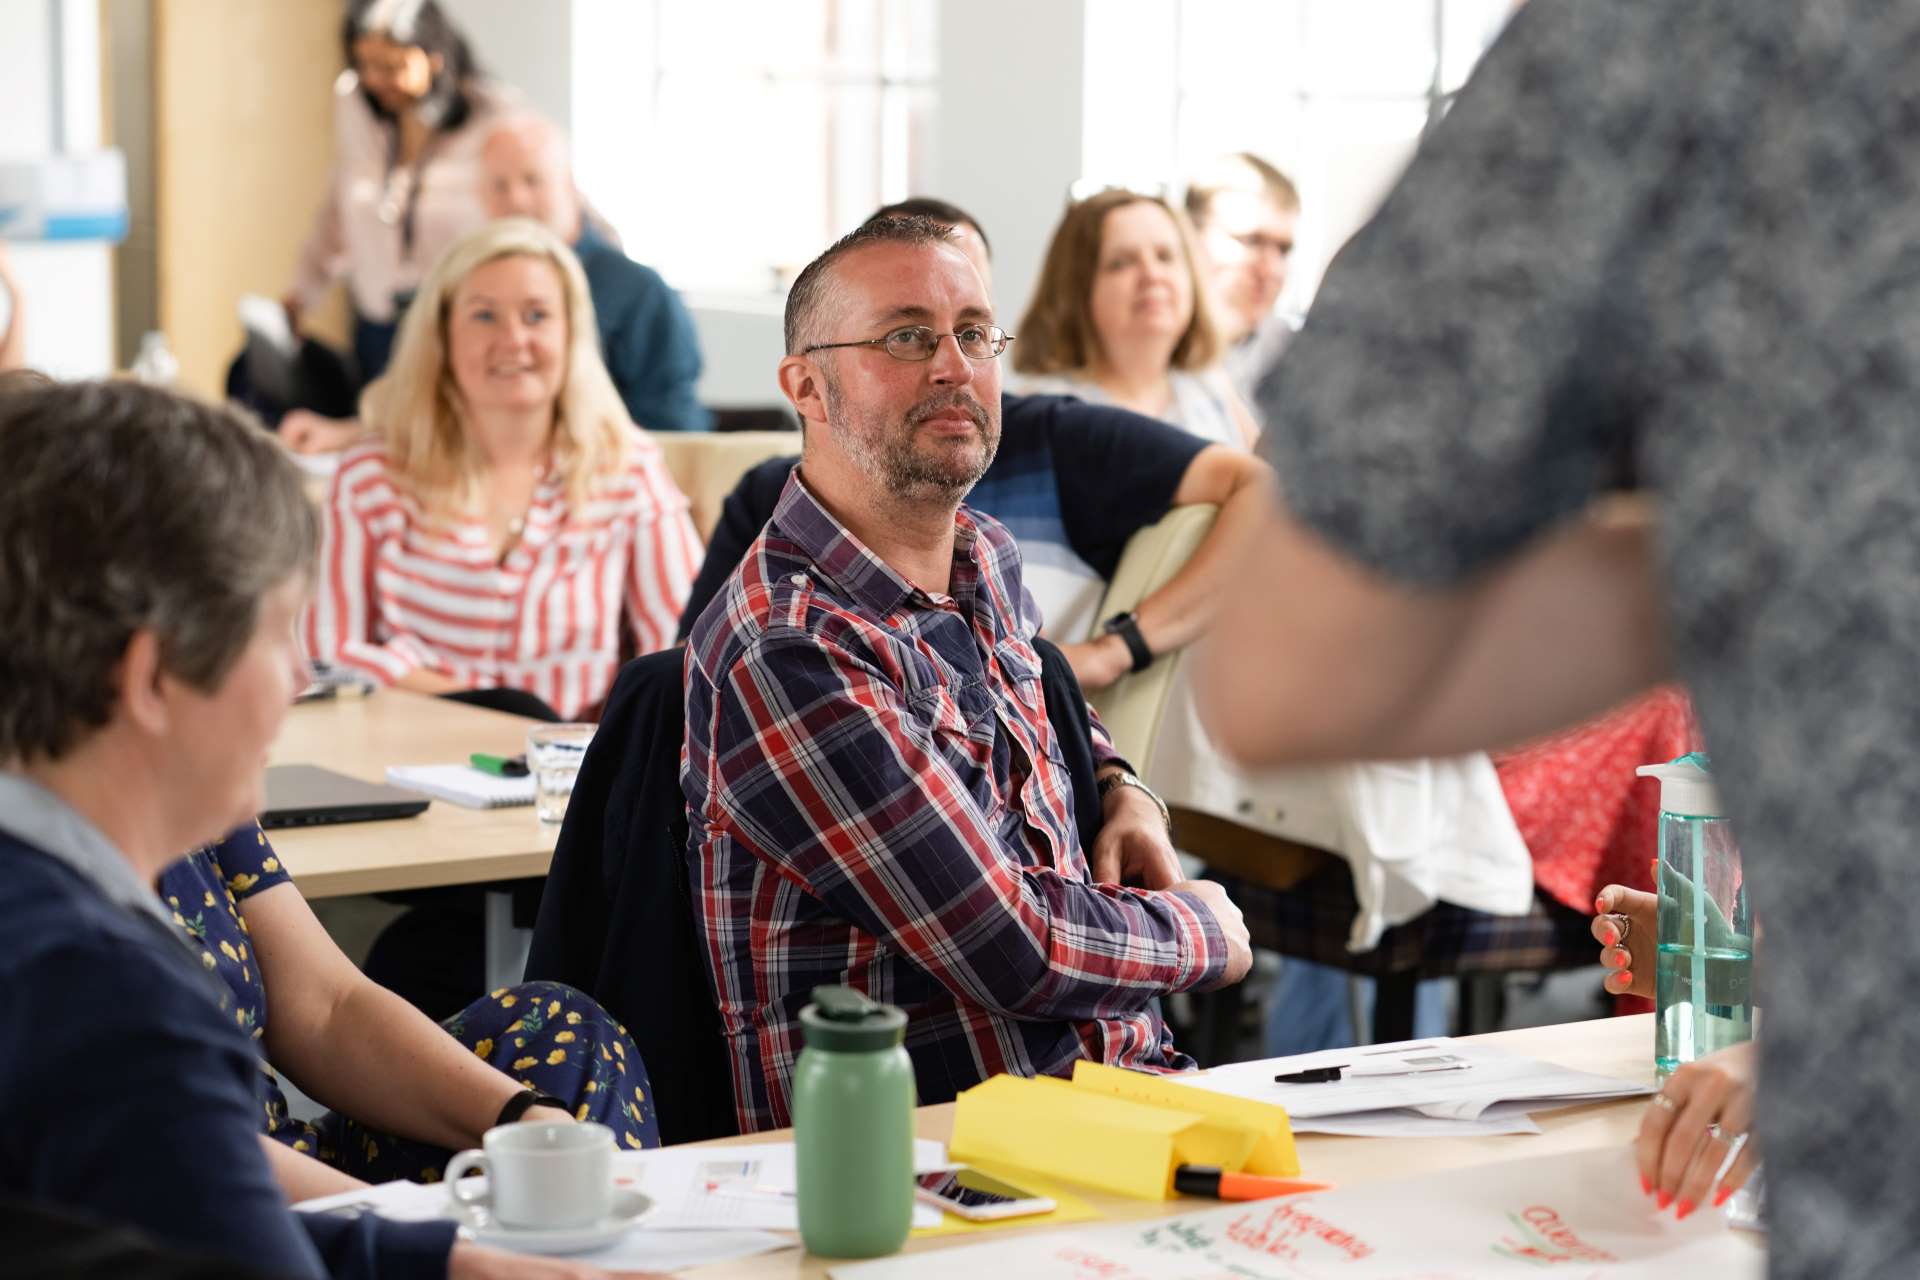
x,y
1121,1135
1273,1155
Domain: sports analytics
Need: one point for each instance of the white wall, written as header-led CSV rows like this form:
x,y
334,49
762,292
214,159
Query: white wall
x,y
66,289
26,72
1008,137
1007,142
528,44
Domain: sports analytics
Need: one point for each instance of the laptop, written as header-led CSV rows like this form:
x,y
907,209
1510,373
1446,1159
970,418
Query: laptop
x,y
305,795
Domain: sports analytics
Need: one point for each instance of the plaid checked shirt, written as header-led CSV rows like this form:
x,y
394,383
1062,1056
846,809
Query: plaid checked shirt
x,y
876,798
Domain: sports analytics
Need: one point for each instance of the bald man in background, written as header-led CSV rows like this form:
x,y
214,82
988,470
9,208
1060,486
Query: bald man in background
x,y
646,336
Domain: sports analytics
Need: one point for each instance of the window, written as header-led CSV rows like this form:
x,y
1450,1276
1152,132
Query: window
x,y
1337,93
728,142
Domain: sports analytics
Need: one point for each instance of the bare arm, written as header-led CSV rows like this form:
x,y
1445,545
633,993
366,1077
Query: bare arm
x,y
1323,659
304,431
1243,419
323,258
301,1177
1177,614
426,680
355,1046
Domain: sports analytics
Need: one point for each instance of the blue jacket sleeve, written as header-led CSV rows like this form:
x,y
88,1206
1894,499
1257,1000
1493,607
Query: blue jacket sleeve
x,y
654,357
140,1108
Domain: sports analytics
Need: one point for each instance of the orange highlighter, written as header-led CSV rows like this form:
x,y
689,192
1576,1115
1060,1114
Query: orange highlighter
x,y
1212,1181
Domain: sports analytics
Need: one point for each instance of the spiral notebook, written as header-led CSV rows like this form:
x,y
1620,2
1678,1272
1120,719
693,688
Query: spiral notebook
x,y
462,784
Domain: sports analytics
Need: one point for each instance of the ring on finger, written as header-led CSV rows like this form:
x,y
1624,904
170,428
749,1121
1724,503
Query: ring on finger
x,y
1662,1100
1625,926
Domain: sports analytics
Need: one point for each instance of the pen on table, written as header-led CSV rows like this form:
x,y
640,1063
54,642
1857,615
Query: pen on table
x,y
1312,1075
502,766
1330,1075
1212,1181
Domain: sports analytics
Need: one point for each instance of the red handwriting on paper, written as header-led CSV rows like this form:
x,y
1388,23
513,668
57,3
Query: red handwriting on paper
x,y
1088,1265
1547,1240
1282,1230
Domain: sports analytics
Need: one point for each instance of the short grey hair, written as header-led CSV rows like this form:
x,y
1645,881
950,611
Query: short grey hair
x,y
124,507
813,302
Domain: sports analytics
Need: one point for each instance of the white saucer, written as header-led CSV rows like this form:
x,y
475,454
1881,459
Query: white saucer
x,y
628,1208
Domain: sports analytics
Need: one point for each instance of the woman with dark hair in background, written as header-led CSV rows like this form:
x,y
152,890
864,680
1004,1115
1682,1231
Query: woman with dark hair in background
x,y
410,115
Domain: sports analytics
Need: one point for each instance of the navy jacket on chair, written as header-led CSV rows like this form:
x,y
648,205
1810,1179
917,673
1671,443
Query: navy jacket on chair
x,y
616,917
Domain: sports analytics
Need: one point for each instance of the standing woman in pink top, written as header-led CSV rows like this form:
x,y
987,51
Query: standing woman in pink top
x,y
506,527
409,117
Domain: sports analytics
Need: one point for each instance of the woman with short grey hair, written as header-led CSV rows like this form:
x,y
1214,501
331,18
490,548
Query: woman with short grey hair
x,y
155,553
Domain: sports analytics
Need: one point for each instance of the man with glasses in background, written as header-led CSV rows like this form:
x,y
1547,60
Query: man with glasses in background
x,y
1246,213
874,790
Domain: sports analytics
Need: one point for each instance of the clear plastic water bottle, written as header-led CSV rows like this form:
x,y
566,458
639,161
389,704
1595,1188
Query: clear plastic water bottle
x,y
155,362
1703,977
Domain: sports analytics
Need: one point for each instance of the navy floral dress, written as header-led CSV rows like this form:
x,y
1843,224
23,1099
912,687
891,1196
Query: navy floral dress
x,y
548,1036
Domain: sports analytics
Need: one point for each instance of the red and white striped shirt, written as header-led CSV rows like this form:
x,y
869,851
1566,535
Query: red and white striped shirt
x,y
403,588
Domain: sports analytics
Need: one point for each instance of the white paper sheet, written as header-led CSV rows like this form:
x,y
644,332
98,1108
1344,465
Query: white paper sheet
x,y
1493,1077
1578,1215
745,1186
1410,1122
643,1248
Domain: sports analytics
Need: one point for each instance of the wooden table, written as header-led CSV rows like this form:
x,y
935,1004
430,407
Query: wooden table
x,y
446,845
1610,1046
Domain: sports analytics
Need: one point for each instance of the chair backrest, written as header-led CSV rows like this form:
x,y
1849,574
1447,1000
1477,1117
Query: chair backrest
x,y
1132,706
616,915
706,465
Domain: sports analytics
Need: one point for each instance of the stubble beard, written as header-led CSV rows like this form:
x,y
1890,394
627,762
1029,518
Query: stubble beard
x,y
887,450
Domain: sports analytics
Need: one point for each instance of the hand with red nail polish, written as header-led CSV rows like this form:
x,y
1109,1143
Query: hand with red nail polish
x,y
1683,1149
1627,928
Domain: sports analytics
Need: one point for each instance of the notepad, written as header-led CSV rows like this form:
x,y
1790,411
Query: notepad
x,y
462,784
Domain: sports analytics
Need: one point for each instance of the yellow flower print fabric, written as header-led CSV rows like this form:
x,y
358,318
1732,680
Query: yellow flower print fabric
x,y
543,1034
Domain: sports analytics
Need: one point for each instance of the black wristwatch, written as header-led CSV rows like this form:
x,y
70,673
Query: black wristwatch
x,y
1127,627
524,1101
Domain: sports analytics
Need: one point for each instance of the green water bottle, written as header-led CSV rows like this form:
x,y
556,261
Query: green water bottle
x,y
1703,973
853,1102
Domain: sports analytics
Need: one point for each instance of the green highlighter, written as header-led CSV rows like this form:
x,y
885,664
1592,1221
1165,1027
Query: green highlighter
x,y
500,766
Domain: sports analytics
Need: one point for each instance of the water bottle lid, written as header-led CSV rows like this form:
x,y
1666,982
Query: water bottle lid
x,y
842,1020
1686,786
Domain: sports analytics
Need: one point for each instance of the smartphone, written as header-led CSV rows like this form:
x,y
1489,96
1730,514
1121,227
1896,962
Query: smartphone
x,y
977,1197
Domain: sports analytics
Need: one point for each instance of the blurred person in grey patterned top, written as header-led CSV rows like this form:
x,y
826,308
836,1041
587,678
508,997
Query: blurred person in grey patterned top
x,y
1680,242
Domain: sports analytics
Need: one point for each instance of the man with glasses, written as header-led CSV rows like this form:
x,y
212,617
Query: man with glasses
x,y
1073,482
875,792
1246,212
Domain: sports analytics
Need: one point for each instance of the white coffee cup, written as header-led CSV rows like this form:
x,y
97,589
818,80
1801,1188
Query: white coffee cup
x,y
540,1176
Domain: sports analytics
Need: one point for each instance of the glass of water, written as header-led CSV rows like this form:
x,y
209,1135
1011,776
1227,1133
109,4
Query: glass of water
x,y
554,753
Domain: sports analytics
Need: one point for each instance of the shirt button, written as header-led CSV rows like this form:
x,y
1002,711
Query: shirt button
x,y
798,579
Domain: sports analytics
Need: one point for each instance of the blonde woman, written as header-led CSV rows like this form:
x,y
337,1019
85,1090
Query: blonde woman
x,y
507,520
1121,317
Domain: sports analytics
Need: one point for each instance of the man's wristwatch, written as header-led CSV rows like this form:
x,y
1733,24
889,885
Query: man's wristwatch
x,y
1127,627
1124,778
